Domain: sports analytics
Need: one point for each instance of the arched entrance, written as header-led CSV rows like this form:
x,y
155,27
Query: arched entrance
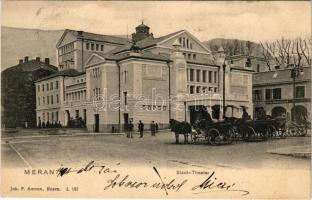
x,y
278,111
299,114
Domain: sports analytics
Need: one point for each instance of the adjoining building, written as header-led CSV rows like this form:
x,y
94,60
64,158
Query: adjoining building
x,y
278,93
149,79
18,103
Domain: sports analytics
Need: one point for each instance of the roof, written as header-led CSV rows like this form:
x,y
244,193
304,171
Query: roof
x,y
145,43
32,65
131,54
95,36
68,73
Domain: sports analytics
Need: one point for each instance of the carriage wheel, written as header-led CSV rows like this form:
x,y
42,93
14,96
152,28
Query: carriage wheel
x,y
214,137
230,135
273,131
250,132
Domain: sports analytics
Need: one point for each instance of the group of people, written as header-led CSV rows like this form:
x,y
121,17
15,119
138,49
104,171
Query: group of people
x,y
129,129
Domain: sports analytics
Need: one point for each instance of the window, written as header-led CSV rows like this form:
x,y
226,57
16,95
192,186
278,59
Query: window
x,y
92,46
180,40
47,86
300,92
48,116
204,76
43,100
198,75
210,77
257,95
191,89
258,68
191,74
56,84
183,42
215,77
43,116
97,47
88,46
277,93
38,88
51,99
125,76
51,86
267,94
198,89
52,116
57,98
189,56
56,116
38,101
48,99
248,62
42,87
194,56
187,43
125,98
102,47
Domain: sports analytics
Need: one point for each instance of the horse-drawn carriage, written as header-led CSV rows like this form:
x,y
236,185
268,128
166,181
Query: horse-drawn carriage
x,y
225,132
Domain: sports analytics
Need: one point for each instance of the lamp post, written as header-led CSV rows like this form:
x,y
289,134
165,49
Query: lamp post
x,y
295,72
223,90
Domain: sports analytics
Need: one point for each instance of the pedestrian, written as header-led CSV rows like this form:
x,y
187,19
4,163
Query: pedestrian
x,y
156,127
130,129
153,128
141,128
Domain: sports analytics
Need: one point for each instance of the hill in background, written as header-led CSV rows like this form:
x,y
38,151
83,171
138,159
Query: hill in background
x,y
16,43
19,42
235,47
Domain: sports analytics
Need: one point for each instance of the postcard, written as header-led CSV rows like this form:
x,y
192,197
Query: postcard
x,y
156,99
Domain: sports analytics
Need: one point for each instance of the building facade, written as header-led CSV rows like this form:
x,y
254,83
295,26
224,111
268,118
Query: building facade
x,y
279,94
151,79
18,92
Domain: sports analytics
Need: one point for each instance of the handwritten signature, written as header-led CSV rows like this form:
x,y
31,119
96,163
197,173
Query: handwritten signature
x,y
209,185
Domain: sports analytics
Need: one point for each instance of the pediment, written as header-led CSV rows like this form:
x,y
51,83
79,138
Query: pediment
x,y
94,59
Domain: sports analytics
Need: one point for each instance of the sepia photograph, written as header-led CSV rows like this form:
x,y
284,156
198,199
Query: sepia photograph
x,y
156,99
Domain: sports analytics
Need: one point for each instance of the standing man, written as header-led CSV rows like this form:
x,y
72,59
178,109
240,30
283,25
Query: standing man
x,y
141,128
153,128
130,129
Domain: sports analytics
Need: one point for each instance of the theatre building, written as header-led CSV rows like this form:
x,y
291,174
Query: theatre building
x,y
149,79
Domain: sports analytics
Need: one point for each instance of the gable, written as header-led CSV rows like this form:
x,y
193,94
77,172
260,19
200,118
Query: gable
x,y
191,43
94,59
66,38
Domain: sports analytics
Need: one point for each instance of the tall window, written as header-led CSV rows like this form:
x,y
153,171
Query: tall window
x,y
215,77
198,75
51,86
42,87
210,77
38,88
56,116
300,92
57,98
51,99
125,98
38,101
47,86
191,89
194,56
125,76
56,84
277,93
88,46
191,74
43,100
267,94
102,47
204,75
92,46
258,68
97,47
48,99
258,95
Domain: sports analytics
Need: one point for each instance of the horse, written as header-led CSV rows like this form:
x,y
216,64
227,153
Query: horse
x,y
180,128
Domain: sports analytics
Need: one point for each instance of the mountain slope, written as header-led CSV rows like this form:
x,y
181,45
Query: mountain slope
x,y
234,46
16,43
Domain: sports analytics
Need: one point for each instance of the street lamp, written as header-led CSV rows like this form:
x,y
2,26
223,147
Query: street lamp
x,y
295,72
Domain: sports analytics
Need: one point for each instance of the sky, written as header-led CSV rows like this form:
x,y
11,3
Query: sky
x,y
255,21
